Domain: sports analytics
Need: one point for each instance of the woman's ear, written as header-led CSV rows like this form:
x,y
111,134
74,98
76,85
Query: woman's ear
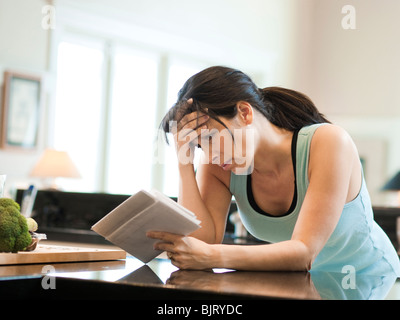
x,y
245,112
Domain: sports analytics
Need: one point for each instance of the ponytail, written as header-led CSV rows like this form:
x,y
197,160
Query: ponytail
x,y
289,109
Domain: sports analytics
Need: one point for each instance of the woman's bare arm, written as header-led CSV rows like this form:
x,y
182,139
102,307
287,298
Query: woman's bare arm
x,y
213,187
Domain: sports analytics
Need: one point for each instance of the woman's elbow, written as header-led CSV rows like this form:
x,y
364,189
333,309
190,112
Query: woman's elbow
x,y
303,264
306,256
308,264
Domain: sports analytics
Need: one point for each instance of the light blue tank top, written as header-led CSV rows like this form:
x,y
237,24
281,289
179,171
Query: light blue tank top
x,y
357,240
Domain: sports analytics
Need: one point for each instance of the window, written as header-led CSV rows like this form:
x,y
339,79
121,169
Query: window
x,y
132,125
107,103
79,109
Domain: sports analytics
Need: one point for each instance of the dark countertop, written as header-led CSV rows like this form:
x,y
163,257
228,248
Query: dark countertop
x,y
160,280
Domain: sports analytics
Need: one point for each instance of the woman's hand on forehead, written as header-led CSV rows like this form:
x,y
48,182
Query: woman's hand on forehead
x,y
193,120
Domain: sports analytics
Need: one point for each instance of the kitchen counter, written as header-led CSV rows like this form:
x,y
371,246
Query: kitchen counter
x,y
159,280
131,279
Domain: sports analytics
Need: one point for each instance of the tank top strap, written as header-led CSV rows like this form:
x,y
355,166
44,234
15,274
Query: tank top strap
x,y
238,184
302,157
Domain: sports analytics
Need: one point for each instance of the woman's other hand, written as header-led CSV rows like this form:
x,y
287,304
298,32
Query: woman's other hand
x,y
185,252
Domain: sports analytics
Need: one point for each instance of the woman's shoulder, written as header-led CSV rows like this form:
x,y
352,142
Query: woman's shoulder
x,y
331,134
331,140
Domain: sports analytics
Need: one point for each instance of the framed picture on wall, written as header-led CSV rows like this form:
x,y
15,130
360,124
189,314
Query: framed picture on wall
x,y
20,110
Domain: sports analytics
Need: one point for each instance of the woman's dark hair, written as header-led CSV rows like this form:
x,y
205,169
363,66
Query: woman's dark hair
x,y
216,91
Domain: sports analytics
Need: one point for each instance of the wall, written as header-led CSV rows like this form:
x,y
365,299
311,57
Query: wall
x,y
357,71
24,48
355,80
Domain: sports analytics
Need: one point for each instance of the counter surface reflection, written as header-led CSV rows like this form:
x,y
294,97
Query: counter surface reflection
x,y
159,279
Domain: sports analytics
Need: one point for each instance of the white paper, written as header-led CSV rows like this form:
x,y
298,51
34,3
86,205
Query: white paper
x,y
127,224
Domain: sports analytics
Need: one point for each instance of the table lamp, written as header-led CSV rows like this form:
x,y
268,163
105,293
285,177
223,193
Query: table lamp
x,y
393,185
55,164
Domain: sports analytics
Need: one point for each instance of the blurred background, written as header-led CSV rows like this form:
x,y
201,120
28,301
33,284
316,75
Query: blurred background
x,y
109,70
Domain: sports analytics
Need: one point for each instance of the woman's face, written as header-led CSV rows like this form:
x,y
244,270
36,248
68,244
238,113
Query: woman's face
x,y
232,148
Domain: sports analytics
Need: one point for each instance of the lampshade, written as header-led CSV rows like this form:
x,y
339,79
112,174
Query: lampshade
x,y
393,184
54,164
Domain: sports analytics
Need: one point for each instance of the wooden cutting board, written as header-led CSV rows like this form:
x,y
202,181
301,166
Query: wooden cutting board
x,y
54,253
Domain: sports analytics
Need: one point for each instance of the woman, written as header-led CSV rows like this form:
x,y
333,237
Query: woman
x,y
301,187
